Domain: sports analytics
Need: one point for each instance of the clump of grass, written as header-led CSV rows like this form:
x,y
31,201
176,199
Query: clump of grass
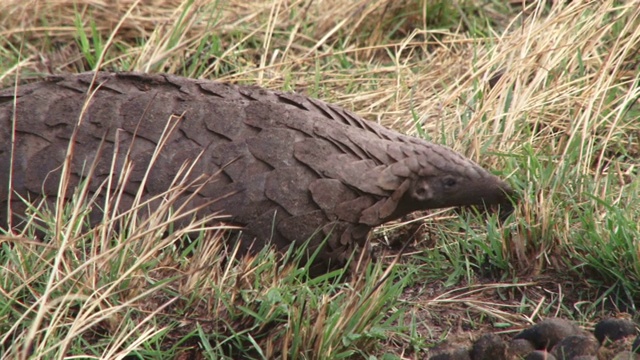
x,y
146,295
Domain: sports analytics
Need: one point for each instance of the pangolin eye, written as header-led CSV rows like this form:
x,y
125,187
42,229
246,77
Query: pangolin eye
x,y
449,182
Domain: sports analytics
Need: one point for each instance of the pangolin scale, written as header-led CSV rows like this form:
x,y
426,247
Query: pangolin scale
x,y
285,167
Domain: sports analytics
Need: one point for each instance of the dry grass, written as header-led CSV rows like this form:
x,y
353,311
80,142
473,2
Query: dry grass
x,y
545,95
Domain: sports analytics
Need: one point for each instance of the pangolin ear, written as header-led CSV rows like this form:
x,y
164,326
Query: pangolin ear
x,y
421,190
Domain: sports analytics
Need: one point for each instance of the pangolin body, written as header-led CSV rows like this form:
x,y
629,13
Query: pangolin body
x,y
285,167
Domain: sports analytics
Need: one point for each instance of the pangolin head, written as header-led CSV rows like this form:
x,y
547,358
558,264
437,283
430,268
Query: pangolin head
x,y
440,177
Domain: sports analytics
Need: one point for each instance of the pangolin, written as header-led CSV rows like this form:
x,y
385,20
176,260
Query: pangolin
x,y
288,168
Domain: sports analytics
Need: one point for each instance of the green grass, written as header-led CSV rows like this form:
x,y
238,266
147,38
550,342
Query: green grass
x,y
561,125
